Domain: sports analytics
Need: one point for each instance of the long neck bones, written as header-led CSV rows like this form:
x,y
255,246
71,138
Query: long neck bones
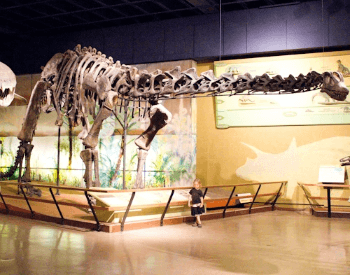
x,y
86,77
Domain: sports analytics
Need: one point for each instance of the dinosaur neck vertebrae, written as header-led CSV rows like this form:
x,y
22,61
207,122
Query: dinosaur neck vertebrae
x,y
81,78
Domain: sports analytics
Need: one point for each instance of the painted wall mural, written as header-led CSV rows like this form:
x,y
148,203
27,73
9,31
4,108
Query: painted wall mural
x,y
298,164
171,160
309,108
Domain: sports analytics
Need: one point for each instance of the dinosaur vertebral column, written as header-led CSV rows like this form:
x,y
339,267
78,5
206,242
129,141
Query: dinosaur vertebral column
x,y
80,82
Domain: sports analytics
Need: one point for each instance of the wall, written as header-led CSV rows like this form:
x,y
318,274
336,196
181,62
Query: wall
x,y
255,31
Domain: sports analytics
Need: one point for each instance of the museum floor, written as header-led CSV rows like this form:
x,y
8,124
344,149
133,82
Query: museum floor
x,y
278,242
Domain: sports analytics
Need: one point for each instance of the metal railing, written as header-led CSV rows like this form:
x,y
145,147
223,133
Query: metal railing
x,y
328,187
133,193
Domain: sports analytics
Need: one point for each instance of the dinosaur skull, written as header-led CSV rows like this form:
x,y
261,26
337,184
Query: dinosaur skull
x,y
334,86
7,85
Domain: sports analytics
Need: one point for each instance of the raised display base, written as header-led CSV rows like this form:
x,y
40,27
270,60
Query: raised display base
x,y
146,209
336,212
145,205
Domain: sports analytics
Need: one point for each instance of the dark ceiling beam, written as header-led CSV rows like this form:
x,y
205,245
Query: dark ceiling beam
x,y
205,6
18,22
113,20
92,10
109,7
30,7
16,6
127,2
85,9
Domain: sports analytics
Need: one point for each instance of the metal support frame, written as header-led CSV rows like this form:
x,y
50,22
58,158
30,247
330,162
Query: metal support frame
x,y
58,208
229,199
125,129
277,196
93,211
25,196
127,211
7,209
19,180
256,194
329,202
307,197
166,207
58,159
205,192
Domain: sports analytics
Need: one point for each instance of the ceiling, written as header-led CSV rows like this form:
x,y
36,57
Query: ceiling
x,y
21,18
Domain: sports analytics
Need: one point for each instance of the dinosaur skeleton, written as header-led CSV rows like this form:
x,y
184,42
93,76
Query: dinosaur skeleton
x,y
80,81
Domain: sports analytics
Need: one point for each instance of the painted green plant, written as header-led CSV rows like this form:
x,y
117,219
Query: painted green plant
x,y
170,161
7,155
111,148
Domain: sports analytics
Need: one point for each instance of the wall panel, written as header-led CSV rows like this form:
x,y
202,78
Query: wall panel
x,y
235,33
207,39
306,26
148,43
178,42
266,30
339,23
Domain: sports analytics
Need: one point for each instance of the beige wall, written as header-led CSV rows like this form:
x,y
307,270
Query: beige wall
x,y
220,151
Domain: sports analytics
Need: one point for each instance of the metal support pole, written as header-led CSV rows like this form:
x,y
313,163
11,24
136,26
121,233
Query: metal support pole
x,y
307,196
7,209
19,180
127,211
25,196
58,208
93,211
277,196
329,201
229,199
166,207
256,194
125,128
58,159
205,192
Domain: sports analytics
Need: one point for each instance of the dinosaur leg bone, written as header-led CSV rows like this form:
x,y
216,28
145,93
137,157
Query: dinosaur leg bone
x,y
28,152
160,117
97,182
90,155
90,158
141,155
29,124
33,111
92,138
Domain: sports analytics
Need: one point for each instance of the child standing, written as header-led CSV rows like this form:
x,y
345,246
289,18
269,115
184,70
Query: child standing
x,y
196,196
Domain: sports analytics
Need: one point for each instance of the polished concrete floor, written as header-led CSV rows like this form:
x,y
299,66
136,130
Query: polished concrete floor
x,y
278,242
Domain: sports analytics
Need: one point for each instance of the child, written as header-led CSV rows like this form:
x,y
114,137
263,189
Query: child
x,y
196,195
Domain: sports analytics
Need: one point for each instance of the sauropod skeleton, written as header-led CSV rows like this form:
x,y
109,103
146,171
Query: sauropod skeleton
x,y
74,83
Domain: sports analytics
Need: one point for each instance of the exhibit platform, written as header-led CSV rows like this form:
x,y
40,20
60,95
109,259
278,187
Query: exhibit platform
x,y
334,204
111,210
337,212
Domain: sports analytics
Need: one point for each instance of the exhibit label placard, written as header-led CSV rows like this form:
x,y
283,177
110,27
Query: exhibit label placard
x,y
331,174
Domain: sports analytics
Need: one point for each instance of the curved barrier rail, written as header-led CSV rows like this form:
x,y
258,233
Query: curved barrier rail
x,y
90,205
328,187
